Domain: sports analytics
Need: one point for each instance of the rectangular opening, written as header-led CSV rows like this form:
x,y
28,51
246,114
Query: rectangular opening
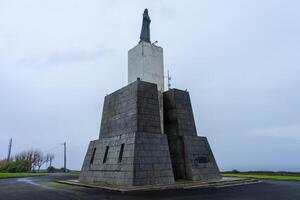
x,y
121,153
201,159
93,156
105,154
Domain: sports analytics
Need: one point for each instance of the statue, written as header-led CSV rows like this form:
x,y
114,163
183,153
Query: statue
x,y
145,33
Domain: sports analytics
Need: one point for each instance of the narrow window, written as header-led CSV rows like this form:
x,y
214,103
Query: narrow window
x,y
93,156
121,153
105,154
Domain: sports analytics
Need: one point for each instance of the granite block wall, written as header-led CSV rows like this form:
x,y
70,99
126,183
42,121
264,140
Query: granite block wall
x,y
119,114
152,162
99,168
200,161
178,113
131,150
177,153
130,109
191,155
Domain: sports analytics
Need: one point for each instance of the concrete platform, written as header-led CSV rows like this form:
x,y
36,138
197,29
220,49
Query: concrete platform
x,y
180,184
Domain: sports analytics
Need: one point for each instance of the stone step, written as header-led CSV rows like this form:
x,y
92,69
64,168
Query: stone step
x,y
221,184
231,182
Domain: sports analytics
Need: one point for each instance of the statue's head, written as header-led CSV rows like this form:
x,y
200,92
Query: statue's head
x,y
146,11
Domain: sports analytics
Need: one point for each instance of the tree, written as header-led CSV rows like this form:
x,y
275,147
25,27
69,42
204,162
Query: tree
x,y
34,157
26,156
39,160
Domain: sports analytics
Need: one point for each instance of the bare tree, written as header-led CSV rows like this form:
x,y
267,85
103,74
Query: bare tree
x,y
39,160
35,158
26,156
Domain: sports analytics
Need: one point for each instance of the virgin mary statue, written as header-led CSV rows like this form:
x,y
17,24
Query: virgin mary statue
x,y
145,33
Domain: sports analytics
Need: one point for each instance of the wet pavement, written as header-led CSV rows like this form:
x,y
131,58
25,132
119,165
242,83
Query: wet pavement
x,y
44,188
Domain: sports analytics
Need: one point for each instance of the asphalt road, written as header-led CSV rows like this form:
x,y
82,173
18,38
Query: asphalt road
x,y
43,188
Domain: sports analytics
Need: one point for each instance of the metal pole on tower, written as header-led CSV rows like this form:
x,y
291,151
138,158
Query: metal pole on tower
x,y
169,81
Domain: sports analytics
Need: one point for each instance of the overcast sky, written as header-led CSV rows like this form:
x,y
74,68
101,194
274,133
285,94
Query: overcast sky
x,y
240,61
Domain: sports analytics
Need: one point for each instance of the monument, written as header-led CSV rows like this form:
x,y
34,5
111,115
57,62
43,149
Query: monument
x,y
147,135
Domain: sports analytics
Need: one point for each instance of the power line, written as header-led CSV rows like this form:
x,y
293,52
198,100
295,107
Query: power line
x,y
53,148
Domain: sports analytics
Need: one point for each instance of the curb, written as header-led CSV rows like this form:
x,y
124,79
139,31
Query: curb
x,y
195,185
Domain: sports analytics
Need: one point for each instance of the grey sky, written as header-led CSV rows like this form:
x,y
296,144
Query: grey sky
x,y
239,60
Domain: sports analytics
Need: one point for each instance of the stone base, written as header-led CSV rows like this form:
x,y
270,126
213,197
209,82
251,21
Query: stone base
x,y
145,161
179,185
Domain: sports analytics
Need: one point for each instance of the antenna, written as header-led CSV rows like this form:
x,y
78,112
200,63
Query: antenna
x,y
9,149
169,81
155,42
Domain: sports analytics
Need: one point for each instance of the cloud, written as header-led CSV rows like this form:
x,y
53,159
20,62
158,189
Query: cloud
x,y
289,132
72,56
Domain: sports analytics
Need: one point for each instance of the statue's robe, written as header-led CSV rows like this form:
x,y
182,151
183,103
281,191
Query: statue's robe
x,y
145,33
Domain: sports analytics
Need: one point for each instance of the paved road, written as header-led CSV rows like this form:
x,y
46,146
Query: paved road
x,y
42,188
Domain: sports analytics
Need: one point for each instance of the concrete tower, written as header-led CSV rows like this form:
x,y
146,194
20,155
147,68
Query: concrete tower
x,y
145,61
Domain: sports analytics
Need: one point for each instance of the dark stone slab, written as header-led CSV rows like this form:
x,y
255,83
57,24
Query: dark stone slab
x,y
132,108
178,113
191,155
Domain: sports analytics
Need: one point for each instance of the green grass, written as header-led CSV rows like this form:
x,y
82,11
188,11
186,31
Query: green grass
x,y
62,185
74,172
263,176
18,175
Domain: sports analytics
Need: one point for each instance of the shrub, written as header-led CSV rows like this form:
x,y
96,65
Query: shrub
x,y
63,169
19,166
235,171
51,169
4,166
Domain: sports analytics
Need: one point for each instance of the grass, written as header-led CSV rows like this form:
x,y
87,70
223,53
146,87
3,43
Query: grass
x,y
18,175
289,177
74,172
62,185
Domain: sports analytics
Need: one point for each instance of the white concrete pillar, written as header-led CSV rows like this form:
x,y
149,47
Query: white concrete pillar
x,y
145,61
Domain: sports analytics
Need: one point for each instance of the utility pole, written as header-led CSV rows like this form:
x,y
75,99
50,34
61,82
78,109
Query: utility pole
x,y
65,157
9,149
